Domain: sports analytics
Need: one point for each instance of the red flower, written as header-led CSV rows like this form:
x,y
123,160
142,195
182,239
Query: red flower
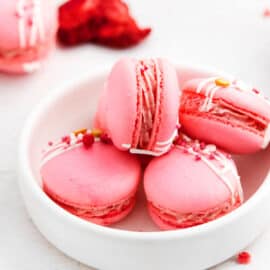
x,y
106,22
88,140
105,139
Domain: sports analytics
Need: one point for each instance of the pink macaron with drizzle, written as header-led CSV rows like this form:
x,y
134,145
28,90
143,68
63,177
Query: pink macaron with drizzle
x,y
227,113
193,184
27,33
139,108
90,178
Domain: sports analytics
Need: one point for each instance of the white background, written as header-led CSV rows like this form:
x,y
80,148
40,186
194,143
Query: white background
x,y
231,35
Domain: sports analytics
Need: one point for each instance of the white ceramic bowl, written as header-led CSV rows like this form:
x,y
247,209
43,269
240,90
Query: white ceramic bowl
x,y
134,243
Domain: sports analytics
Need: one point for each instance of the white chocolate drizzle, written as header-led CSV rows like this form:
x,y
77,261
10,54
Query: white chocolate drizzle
x,y
218,163
35,22
160,148
145,152
164,146
126,145
61,146
210,91
203,83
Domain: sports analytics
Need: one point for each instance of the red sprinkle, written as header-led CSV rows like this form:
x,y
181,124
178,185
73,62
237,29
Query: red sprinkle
x,y
202,145
50,143
179,141
66,139
30,22
178,126
256,91
105,139
17,15
243,257
211,156
88,140
176,140
185,151
197,158
182,143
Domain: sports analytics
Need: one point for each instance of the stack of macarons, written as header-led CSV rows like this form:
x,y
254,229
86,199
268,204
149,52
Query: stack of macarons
x,y
178,141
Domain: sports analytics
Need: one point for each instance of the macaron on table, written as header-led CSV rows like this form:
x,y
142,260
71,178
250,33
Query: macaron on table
x,y
140,158
27,34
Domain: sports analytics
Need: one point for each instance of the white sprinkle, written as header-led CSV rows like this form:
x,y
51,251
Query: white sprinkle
x,y
31,67
211,148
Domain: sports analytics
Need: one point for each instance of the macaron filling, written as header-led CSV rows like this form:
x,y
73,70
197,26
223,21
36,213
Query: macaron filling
x,y
185,220
106,211
147,91
149,98
27,58
16,53
26,52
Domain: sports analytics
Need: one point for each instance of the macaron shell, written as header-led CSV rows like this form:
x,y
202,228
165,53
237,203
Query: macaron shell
x,y
121,105
176,181
9,39
100,116
10,35
228,136
99,176
110,220
186,73
170,99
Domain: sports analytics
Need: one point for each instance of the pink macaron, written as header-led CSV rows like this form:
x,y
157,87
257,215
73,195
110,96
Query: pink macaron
x,y
90,178
193,184
27,33
139,107
227,113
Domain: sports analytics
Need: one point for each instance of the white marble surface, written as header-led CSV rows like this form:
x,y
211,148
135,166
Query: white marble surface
x,y
230,35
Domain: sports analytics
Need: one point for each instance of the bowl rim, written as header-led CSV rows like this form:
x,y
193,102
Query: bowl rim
x,y
26,176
